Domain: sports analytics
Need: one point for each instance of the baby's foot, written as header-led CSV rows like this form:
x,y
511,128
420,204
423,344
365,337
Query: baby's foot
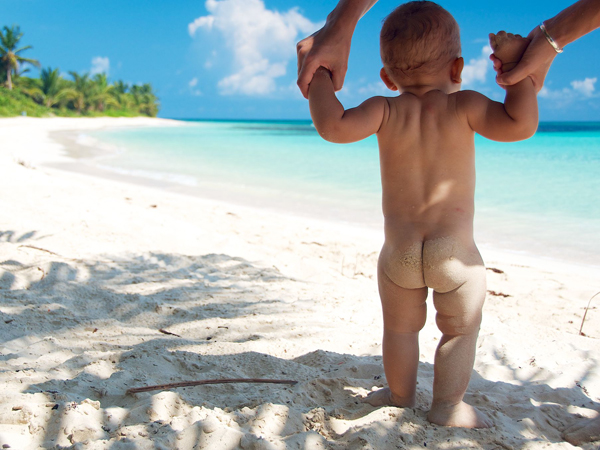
x,y
508,48
461,415
384,397
586,430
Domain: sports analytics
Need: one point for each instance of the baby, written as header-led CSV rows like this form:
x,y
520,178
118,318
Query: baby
x,y
427,157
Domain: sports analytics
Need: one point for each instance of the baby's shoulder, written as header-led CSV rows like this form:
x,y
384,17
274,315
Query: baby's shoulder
x,y
467,97
469,104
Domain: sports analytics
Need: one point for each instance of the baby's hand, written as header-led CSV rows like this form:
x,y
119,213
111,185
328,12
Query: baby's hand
x,y
508,49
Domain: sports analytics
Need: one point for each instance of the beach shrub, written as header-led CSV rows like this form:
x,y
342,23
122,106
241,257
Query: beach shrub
x,y
15,103
53,95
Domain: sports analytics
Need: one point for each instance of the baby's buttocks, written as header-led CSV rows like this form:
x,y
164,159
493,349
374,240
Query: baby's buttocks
x,y
448,263
442,264
404,265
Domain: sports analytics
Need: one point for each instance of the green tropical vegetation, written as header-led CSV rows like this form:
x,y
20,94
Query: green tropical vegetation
x,y
53,94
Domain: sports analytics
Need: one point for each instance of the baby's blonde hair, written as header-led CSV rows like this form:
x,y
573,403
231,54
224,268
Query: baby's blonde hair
x,y
419,36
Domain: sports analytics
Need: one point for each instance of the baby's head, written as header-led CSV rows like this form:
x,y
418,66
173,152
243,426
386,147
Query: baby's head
x,y
418,38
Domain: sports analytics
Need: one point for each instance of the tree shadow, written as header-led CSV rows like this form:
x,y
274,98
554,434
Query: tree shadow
x,y
78,334
13,236
324,408
154,290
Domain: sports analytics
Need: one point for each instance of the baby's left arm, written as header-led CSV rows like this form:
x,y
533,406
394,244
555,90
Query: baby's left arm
x,y
517,117
333,122
514,120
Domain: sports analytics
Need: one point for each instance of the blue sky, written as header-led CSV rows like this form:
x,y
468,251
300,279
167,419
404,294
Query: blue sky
x,y
236,58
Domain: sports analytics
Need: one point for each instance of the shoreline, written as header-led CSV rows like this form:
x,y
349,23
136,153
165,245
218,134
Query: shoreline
x,y
63,158
108,285
80,152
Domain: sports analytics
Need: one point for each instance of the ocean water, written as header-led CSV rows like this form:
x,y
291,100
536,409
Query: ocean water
x,y
539,196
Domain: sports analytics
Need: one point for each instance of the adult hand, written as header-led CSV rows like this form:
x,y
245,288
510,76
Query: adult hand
x,y
535,63
329,47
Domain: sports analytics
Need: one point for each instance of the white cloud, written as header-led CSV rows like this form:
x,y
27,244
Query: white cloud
x,y
562,94
585,87
201,22
262,41
212,59
257,78
100,65
477,68
580,90
192,88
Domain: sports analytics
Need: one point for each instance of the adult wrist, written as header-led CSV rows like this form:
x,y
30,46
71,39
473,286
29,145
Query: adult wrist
x,y
550,39
558,33
341,24
345,16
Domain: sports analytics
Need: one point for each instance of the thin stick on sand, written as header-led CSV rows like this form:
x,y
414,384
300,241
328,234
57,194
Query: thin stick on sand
x,y
200,382
585,313
40,249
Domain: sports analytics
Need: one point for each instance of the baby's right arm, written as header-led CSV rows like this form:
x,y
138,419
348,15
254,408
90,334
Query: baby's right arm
x,y
515,119
333,122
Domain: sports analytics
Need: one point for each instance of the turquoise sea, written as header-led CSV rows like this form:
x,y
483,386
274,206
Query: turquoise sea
x,y
539,196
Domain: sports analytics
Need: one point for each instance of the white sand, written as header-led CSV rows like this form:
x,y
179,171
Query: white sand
x,y
91,269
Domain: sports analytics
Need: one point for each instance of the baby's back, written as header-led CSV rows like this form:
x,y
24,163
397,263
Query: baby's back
x,y
427,159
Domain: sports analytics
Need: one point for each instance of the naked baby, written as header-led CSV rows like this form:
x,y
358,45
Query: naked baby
x,y
427,157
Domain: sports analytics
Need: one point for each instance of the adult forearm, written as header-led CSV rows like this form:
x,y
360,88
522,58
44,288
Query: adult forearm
x,y
347,13
573,22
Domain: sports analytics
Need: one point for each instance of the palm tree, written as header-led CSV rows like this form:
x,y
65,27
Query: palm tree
x,y
50,89
151,105
81,92
145,99
16,77
102,93
120,92
121,87
10,59
136,91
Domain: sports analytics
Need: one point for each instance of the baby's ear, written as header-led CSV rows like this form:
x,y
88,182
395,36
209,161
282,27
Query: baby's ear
x,y
456,70
387,80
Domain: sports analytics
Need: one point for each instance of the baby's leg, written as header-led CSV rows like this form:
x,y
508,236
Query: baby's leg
x,y
508,48
404,314
458,297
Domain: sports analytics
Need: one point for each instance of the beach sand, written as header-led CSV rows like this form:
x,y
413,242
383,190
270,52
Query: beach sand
x,y
107,286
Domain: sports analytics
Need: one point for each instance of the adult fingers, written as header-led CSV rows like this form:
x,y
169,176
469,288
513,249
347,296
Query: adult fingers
x,y
306,74
520,72
496,62
337,77
305,70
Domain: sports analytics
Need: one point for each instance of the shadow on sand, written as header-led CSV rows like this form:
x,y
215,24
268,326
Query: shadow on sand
x,y
77,334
